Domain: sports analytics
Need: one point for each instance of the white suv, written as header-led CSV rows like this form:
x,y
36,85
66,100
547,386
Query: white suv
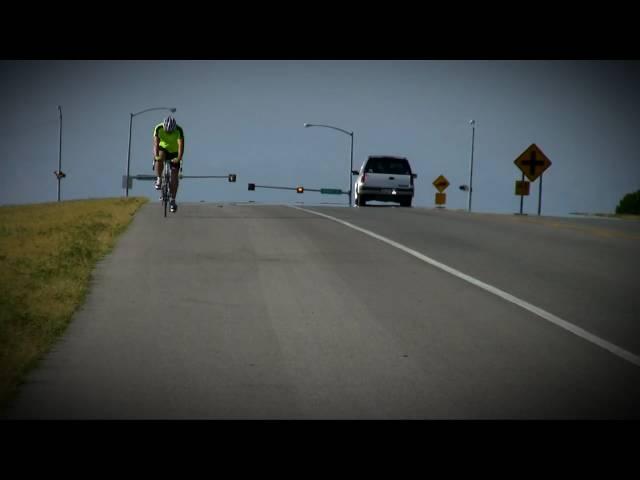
x,y
384,178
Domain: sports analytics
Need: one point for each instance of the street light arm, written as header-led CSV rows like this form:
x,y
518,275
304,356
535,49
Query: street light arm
x,y
328,126
306,125
154,108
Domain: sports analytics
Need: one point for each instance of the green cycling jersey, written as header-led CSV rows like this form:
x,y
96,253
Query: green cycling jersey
x,y
169,140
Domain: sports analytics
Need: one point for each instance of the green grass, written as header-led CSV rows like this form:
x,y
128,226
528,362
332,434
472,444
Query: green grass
x,y
47,254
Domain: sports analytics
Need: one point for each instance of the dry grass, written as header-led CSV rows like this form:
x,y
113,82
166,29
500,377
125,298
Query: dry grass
x,y
622,216
47,253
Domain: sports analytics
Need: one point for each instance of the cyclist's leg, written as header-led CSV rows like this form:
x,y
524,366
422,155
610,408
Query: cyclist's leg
x,y
175,171
159,166
173,181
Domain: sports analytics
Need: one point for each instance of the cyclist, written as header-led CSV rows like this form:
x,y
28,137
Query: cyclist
x,y
168,144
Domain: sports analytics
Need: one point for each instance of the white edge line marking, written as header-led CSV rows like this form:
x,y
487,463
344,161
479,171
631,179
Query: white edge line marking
x,y
620,352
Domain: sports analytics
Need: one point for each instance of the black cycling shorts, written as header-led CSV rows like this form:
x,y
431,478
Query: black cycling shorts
x,y
168,155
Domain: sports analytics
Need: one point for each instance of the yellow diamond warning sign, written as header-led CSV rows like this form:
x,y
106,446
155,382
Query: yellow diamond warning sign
x,y
532,162
441,183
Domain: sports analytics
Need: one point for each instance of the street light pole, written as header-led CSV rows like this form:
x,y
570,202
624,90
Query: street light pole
x,y
131,115
473,134
129,154
59,152
306,125
350,169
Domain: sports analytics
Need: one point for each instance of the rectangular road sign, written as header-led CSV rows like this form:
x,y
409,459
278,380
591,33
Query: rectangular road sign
x,y
522,187
441,198
124,182
331,191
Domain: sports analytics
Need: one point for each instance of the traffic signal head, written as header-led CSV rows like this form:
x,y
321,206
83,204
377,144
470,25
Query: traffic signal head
x,y
232,177
252,186
300,189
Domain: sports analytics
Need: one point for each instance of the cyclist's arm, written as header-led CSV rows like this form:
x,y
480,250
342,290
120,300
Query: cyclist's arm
x,y
180,149
180,143
156,146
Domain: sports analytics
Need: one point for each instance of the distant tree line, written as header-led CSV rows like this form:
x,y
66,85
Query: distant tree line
x,y
630,204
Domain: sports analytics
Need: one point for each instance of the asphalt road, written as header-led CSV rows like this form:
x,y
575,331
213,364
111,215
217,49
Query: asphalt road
x,y
271,312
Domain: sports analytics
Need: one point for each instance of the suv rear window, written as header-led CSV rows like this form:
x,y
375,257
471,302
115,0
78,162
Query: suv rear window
x,y
398,166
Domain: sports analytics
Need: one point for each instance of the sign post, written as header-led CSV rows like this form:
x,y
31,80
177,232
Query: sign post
x,y
540,196
532,162
521,196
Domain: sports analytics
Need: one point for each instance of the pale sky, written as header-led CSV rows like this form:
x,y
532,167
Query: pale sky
x,y
246,117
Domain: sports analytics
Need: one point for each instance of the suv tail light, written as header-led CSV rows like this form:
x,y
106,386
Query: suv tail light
x,y
364,177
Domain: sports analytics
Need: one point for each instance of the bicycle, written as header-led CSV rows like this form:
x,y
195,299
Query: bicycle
x,y
165,192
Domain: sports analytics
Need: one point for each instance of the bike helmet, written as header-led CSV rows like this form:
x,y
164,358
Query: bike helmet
x,y
169,124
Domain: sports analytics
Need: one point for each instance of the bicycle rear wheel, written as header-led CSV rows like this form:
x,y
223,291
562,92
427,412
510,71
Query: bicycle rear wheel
x,y
164,205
